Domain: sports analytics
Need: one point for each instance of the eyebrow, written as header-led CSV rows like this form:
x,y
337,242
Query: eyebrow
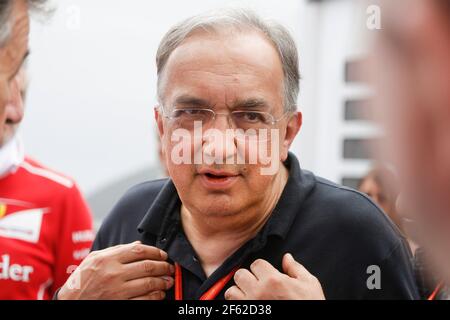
x,y
192,101
251,103
25,56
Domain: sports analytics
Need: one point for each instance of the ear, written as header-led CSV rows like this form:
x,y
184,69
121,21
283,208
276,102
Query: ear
x,y
293,127
159,121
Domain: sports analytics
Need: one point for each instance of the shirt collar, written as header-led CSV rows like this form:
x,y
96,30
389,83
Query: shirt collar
x,y
300,183
163,207
11,156
163,214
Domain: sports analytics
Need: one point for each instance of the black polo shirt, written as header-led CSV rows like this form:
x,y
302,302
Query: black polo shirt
x,y
335,232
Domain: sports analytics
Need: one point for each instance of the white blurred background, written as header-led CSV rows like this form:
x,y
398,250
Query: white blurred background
x,y
93,78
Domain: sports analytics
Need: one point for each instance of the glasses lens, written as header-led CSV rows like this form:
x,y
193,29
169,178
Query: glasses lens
x,y
248,124
251,119
186,118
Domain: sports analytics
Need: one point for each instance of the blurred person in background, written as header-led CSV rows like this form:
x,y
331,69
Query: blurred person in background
x,y
45,225
428,281
411,68
380,185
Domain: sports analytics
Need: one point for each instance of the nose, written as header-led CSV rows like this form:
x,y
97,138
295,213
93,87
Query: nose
x,y
15,108
222,121
219,143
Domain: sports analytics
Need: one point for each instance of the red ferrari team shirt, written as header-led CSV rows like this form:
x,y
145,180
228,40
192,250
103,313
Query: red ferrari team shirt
x,y
45,231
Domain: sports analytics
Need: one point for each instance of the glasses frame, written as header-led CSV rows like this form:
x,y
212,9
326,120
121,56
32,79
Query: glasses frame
x,y
228,115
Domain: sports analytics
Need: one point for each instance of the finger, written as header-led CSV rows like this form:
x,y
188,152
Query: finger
x,y
114,248
234,293
292,268
143,286
136,251
245,280
146,268
263,269
155,295
124,244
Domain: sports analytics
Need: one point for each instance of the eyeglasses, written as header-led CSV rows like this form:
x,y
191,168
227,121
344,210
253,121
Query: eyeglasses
x,y
251,122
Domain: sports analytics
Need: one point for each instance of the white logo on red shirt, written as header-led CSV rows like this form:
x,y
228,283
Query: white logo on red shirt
x,y
23,225
83,236
14,272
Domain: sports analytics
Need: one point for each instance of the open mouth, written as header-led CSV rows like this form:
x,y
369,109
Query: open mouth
x,y
218,180
217,176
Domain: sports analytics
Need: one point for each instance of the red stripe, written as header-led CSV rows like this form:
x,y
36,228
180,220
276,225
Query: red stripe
x,y
210,294
178,283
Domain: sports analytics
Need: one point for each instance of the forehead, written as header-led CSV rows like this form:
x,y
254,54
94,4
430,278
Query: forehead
x,y
220,64
20,18
16,46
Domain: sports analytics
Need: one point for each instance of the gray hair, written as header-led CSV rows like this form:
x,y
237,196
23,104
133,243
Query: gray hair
x,y
238,19
5,12
5,26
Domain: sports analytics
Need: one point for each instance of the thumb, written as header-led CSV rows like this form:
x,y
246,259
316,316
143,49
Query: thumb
x,y
292,268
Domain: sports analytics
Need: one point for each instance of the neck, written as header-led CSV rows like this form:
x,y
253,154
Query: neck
x,y
11,156
216,238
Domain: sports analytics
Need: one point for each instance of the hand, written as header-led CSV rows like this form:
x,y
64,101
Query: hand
x,y
129,271
264,282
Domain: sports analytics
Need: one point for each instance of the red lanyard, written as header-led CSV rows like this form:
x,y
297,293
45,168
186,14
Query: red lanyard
x,y
436,291
210,294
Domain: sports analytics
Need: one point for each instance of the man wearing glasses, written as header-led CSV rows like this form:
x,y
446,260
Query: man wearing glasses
x,y
238,218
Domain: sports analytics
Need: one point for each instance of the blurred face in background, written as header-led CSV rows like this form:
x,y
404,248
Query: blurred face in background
x,y
12,55
412,72
379,184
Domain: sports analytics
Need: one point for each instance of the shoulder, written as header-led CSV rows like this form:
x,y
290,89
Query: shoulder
x,y
352,216
47,185
120,226
137,199
349,203
349,199
47,177
350,232
50,188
